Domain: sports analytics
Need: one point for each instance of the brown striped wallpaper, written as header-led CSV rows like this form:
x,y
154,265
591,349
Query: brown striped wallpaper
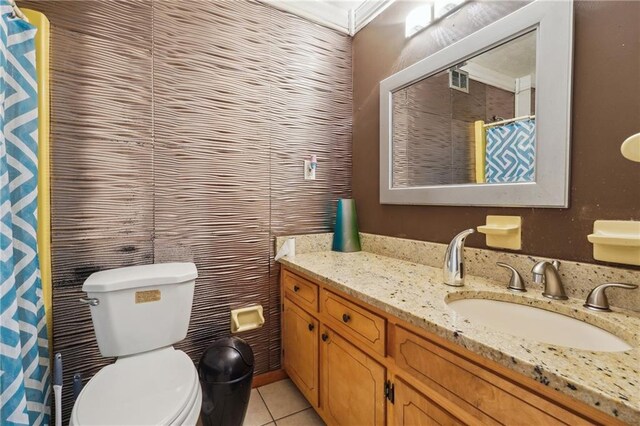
x,y
179,130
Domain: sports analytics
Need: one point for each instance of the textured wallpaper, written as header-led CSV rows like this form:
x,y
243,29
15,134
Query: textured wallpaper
x,y
179,130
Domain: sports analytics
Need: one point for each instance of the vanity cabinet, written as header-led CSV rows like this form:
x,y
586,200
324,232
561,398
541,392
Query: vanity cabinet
x,y
487,396
358,365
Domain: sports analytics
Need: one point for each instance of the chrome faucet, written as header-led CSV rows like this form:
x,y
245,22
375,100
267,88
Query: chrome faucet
x,y
547,273
453,269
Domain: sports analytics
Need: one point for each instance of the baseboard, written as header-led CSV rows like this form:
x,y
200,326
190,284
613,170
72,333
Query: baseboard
x,y
268,377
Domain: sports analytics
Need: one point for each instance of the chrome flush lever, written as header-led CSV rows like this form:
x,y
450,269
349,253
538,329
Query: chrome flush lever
x,y
91,301
597,299
515,283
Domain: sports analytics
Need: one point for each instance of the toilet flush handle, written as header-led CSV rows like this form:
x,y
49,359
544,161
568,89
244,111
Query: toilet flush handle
x,y
91,301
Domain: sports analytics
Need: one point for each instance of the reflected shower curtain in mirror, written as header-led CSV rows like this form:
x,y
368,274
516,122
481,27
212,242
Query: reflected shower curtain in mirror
x,y
511,152
24,355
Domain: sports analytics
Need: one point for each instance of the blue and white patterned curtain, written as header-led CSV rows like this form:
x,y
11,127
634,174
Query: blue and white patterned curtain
x,y
24,355
511,152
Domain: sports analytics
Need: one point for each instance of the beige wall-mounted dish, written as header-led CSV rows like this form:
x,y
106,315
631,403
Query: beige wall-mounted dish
x,y
631,148
616,241
503,232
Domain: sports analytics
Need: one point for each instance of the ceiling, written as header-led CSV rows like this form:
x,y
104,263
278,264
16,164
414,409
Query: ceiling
x,y
347,16
503,65
515,58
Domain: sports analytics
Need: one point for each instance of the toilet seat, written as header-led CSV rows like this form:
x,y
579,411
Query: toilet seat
x,y
160,387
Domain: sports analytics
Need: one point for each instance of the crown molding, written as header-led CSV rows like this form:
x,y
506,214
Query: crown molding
x,y
327,14
367,11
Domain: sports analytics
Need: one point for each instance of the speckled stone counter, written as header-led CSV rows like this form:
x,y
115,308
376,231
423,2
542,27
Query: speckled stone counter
x,y
413,292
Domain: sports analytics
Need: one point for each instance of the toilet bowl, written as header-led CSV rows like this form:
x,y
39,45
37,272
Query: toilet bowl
x,y
138,313
160,387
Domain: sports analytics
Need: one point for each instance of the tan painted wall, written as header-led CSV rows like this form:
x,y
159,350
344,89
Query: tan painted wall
x,y
606,110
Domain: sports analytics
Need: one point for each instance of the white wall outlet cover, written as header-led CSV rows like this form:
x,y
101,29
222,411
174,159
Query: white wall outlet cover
x,y
309,173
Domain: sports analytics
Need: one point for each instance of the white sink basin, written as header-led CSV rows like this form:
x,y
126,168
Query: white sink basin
x,y
539,325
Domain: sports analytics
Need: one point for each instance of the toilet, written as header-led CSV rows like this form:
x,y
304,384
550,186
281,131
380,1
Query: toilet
x,y
138,313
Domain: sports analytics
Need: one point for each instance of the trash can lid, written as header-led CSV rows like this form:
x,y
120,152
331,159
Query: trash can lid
x,y
226,360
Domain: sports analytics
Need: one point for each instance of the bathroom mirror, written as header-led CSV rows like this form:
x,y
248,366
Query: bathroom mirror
x,y
486,120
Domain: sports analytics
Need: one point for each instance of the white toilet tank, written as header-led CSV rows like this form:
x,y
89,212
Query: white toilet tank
x,y
141,308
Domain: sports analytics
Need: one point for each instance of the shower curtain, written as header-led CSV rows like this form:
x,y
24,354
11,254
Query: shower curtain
x,y
24,355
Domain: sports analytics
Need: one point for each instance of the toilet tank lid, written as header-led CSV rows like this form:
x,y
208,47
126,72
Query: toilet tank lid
x,y
140,276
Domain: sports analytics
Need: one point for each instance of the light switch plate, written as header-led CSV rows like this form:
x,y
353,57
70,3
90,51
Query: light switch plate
x,y
309,173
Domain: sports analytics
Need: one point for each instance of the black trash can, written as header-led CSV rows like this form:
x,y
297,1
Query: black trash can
x,y
226,372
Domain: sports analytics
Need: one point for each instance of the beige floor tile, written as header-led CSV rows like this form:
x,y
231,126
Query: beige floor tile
x,y
257,413
307,417
283,398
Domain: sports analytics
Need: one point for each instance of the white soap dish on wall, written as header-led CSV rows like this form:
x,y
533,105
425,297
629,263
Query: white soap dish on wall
x,y
616,241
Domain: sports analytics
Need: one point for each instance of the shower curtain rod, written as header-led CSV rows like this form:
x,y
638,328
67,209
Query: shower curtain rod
x,y
498,123
16,10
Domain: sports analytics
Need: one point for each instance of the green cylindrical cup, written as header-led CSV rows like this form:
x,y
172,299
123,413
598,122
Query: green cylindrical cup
x,y
345,234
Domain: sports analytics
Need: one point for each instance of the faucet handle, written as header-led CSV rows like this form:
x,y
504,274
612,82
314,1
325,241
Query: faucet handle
x,y
515,283
597,299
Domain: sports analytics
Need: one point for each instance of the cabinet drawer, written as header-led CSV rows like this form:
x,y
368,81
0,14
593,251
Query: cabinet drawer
x,y
415,408
482,393
303,292
354,320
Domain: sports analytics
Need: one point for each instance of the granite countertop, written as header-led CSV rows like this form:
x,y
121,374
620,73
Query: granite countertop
x,y
608,381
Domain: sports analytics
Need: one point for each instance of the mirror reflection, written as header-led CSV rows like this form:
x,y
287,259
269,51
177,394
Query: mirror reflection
x,y
472,123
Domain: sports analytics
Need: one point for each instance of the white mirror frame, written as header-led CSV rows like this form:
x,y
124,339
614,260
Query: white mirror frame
x,y
554,54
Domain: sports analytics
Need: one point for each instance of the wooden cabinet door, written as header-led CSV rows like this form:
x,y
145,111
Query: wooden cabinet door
x,y
300,345
412,408
352,391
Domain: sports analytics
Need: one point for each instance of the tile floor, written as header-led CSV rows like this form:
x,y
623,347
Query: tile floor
x,y
280,404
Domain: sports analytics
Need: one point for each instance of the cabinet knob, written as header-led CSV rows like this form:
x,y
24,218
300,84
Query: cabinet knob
x,y
325,337
296,288
311,327
346,317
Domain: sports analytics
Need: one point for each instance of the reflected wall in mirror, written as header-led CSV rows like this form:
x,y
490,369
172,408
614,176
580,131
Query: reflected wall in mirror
x,y
471,123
